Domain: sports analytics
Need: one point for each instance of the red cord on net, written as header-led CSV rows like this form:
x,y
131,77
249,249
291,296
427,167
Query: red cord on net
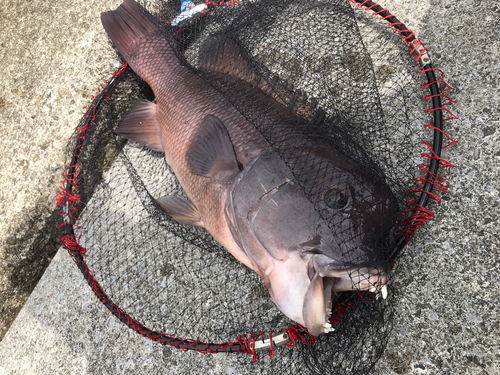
x,y
70,243
294,334
66,197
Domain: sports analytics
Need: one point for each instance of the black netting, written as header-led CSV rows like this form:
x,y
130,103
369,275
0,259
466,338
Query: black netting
x,y
332,94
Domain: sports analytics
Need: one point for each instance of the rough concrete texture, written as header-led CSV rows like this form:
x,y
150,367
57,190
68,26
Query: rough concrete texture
x,y
447,286
50,67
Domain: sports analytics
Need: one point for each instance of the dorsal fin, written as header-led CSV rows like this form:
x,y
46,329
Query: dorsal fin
x,y
229,59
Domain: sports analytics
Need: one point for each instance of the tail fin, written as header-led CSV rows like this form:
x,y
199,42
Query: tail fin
x,y
127,25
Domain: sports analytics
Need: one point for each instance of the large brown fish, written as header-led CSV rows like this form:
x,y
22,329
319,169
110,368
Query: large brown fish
x,y
241,191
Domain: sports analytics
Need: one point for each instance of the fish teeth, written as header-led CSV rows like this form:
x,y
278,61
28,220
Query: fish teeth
x,y
384,292
373,289
327,328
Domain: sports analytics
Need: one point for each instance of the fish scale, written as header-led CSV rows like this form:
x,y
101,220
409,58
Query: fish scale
x,y
238,186
183,100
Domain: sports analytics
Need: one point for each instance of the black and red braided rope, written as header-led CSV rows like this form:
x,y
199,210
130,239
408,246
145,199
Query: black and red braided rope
x,y
419,214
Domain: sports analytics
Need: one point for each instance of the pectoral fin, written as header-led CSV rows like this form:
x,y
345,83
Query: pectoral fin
x,y
181,210
211,153
140,124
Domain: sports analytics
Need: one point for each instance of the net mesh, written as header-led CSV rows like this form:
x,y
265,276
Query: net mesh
x,y
312,74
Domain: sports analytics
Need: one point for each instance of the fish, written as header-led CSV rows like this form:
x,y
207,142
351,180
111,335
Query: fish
x,y
236,183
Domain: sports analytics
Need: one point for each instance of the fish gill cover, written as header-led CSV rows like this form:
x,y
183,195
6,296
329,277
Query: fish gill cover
x,y
320,168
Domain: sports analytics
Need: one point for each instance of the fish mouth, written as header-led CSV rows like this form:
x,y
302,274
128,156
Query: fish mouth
x,y
327,280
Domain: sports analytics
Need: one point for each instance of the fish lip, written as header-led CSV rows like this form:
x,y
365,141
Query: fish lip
x,y
342,279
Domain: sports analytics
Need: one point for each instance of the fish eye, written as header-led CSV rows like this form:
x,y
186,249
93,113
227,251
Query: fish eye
x,y
337,198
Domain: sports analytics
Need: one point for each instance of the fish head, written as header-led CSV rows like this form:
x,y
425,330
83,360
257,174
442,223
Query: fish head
x,y
310,239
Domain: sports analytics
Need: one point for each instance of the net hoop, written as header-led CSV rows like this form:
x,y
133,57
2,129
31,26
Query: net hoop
x,y
66,199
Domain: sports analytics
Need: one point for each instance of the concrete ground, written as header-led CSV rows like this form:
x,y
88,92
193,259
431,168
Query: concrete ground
x,y
53,55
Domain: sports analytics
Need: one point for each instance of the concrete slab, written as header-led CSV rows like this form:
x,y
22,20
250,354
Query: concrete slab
x,y
51,64
447,286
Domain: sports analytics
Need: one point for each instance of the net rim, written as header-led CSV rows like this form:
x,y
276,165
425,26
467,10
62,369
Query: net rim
x,y
247,343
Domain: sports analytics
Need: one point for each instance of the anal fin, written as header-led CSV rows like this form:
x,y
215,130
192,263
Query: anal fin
x,y
140,124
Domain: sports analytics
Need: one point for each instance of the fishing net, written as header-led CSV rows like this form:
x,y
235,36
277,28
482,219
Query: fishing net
x,y
308,75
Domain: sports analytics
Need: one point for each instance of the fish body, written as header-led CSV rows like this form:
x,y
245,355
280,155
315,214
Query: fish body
x,y
238,187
